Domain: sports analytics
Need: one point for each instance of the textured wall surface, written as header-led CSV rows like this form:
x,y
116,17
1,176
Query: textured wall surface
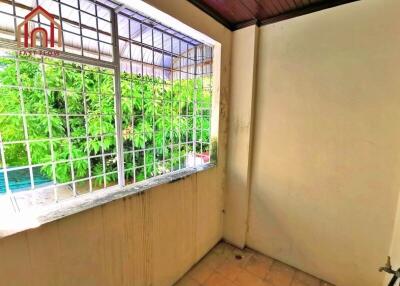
x,y
325,178
243,81
148,239
151,239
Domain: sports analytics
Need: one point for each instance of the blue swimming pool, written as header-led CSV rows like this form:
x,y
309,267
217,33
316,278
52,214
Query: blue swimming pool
x,y
19,180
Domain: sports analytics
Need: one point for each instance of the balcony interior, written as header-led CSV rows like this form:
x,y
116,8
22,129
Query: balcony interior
x,y
280,165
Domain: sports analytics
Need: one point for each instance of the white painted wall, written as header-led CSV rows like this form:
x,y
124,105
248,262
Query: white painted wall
x,y
130,241
243,81
326,163
133,241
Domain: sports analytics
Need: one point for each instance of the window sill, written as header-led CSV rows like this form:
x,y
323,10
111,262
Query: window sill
x,y
12,223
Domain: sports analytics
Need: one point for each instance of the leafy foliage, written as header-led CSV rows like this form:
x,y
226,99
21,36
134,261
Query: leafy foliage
x,y
158,119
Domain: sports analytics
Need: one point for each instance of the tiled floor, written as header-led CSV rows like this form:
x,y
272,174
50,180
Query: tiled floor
x,y
229,266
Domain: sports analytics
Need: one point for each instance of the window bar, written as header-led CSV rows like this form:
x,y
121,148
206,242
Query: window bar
x,y
186,116
97,32
179,107
80,25
195,106
86,118
187,90
172,110
47,103
5,174
53,158
163,103
24,123
38,22
210,103
52,153
99,95
68,129
132,99
202,104
15,18
117,100
153,82
142,81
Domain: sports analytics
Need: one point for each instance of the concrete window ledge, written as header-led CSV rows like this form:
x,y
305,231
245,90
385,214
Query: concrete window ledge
x,y
12,222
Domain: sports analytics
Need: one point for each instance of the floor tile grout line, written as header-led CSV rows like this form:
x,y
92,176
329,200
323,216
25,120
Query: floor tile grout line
x,y
224,253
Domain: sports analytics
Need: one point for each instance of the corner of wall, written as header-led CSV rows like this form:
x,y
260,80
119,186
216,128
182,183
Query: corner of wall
x,y
242,87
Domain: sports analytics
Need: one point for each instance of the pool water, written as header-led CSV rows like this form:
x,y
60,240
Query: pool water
x,y
19,180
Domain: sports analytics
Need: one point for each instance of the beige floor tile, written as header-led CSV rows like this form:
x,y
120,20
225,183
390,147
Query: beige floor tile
x,y
304,279
323,283
259,265
214,260
245,278
233,253
280,274
230,268
217,279
241,256
200,272
187,281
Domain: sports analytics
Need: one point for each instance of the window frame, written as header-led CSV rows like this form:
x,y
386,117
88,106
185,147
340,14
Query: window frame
x,y
115,65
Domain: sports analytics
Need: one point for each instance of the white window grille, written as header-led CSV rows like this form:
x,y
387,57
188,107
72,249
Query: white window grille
x,y
126,99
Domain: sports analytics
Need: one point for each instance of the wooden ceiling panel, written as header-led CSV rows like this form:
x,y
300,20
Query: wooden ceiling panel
x,y
232,10
292,4
256,9
282,4
272,6
299,3
236,14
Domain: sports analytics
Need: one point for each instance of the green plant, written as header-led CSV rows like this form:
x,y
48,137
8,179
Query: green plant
x,y
157,115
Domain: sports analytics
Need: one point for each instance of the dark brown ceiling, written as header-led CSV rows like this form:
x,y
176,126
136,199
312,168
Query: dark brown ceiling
x,y
236,14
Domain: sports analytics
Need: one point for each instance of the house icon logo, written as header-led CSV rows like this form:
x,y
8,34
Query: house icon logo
x,y
30,37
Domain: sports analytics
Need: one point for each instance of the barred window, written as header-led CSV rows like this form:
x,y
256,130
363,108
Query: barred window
x,y
124,99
